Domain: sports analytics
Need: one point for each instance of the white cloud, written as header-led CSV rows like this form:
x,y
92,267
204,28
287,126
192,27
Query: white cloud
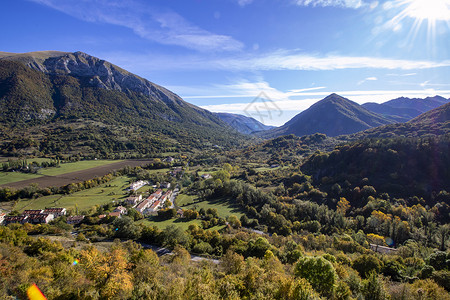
x,y
324,3
304,98
367,79
401,75
285,60
278,60
161,26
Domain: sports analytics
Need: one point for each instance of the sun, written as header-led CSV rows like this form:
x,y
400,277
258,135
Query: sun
x,y
417,14
427,10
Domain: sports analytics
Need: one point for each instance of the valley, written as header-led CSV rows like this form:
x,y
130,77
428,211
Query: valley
x,y
100,166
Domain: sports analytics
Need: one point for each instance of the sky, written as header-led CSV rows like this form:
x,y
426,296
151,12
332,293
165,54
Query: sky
x,y
269,59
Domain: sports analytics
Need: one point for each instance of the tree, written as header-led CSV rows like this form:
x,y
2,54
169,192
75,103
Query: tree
x,y
126,228
232,263
174,235
342,206
108,272
234,221
134,214
439,260
373,288
442,236
367,263
319,272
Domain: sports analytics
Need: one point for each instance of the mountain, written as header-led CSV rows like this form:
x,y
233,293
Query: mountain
x,y
333,116
435,122
435,116
404,109
83,103
243,124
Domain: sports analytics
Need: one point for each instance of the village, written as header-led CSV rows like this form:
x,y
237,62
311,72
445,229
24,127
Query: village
x,y
163,197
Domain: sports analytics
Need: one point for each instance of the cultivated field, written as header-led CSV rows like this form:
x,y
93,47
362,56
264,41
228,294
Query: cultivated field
x,y
10,177
75,172
82,200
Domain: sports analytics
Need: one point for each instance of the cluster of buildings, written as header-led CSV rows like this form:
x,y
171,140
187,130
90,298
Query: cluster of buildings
x,y
34,216
151,204
137,185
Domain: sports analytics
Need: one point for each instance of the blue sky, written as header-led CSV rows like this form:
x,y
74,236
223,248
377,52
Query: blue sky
x,y
221,54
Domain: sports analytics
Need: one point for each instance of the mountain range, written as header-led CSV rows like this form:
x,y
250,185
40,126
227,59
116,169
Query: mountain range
x,y
97,105
404,109
333,116
74,103
243,124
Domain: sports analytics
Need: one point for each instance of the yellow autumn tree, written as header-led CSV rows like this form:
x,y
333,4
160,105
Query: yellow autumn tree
x,y
342,206
108,272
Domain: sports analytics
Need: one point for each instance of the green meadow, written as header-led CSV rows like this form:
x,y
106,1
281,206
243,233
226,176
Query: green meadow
x,y
76,166
83,200
223,206
9,177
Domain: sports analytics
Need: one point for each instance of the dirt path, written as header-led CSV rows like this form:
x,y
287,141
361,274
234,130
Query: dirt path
x,y
63,179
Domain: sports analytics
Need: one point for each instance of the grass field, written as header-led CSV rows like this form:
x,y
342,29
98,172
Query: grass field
x,y
29,160
224,209
102,194
183,199
9,177
223,206
159,171
76,166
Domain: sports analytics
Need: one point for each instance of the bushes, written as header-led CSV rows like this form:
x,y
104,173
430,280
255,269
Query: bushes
x,y
367,263
319,272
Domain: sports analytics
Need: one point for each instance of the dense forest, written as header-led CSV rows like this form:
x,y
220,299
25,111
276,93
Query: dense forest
x,y
311,228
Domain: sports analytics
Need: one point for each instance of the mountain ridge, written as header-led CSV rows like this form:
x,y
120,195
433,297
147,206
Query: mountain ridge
x,y
243,124
403,109
45,88
334,115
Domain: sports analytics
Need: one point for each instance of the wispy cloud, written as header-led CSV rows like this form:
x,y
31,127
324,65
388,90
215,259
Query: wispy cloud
x,y
401,75
290,102
367,79
285,60
324,3
151,23
299,100
277,60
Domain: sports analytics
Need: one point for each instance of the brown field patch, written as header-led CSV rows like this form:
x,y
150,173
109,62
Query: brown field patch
x,y
77,176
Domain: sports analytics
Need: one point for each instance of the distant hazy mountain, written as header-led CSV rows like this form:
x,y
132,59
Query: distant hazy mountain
x,y
332,116
435,116
83,102
404,109
433,122
243,124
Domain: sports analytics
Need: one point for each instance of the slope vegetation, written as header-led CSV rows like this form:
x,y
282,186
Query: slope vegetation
x,y
332,116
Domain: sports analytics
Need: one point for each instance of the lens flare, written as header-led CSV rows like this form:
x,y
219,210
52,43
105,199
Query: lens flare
x,y
389,241
430,10
34,293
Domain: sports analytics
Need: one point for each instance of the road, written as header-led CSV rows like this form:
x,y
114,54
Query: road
x,y
160,251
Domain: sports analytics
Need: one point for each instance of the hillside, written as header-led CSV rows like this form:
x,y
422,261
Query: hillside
x,y
435,116
398,166
243,124
333,116
44,96
432,123
404,109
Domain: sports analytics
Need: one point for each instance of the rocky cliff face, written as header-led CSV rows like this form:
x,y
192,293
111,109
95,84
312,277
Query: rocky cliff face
x,y
50,89
100,73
